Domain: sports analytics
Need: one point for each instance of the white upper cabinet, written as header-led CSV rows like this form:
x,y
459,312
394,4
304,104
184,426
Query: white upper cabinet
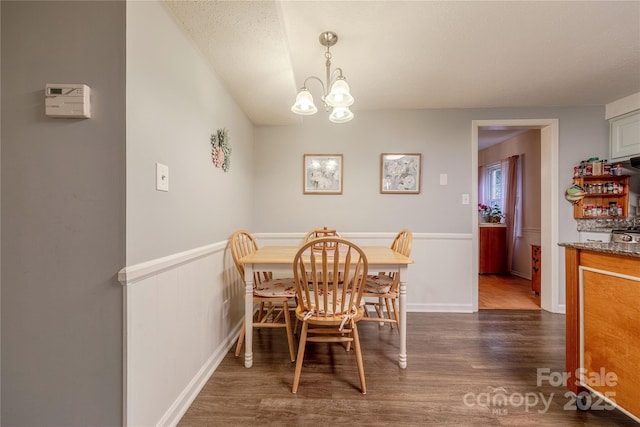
x,y
625,136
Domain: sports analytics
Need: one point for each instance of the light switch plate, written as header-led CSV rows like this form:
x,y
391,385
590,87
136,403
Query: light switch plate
x,y
465,199
162,177
443,179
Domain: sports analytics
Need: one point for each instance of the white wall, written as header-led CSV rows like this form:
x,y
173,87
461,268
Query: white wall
x,y
527,145
183,296
441,136
175,101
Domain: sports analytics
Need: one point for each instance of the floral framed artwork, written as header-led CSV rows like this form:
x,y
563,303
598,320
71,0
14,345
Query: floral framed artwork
x,y
400,173
322,174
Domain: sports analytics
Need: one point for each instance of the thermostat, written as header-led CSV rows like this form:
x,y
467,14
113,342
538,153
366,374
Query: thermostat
x,y
67,100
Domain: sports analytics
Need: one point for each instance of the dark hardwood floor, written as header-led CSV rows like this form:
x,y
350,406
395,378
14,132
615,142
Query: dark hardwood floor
x,y
460,366
506,292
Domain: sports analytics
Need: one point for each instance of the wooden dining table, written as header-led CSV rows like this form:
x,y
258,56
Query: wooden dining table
x,y
279,260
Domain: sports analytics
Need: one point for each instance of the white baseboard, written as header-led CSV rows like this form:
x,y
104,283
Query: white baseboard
x,y
521,275
439,308
185,399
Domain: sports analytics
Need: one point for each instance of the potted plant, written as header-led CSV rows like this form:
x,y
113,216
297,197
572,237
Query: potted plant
x,y
483,212
495,215
490,213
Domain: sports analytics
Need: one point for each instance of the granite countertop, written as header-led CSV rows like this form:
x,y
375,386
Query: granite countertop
x,y
626,249
605,225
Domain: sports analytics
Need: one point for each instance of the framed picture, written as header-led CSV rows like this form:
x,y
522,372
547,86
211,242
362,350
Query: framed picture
x,y
400,173
322,174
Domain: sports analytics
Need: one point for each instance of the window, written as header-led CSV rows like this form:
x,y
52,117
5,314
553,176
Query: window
x,y
494,185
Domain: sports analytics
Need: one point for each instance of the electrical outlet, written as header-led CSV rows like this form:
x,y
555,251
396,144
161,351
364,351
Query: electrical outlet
x,y
465,199
443,179
162,177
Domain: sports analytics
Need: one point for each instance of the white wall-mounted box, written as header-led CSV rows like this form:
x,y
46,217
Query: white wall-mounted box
x,y
67,100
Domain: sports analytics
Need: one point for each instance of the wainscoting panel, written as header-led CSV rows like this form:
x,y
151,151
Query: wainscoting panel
x,y
181,318
183,313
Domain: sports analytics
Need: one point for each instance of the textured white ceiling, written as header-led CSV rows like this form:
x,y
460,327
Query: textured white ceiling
x,y
420,54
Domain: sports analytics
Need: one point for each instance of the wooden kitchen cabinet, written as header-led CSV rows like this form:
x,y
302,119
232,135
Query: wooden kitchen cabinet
x,y
493,249
536,265
603,325
625,136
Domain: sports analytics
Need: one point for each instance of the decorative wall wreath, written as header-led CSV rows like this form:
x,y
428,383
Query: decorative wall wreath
x,y
221,149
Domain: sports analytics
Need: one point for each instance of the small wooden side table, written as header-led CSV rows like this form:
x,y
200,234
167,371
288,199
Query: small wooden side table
x,y
536,266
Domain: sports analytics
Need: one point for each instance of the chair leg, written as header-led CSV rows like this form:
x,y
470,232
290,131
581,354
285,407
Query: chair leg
x,y
240,340
365,308
356,346
260,313
296,326
301,346
396,312
389,312
380,309
287,321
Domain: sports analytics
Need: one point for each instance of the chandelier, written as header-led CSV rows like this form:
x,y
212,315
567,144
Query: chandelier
x,y
336,95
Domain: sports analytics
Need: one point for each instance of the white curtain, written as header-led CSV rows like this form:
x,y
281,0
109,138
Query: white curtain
x,y
482,185
504,173
512,202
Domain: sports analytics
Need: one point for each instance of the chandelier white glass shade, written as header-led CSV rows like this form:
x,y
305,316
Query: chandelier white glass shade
x,y
340,115
304,103
336,94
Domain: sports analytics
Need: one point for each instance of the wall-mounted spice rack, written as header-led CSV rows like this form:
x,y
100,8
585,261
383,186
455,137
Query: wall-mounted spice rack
x,y
607,196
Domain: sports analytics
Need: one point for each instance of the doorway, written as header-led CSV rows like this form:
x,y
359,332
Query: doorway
x,y
549,293
506,250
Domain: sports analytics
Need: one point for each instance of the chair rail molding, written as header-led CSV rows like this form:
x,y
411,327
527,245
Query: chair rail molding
x,y
182,314
131,274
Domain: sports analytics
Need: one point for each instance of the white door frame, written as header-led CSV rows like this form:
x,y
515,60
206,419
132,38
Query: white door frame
x,y
549,141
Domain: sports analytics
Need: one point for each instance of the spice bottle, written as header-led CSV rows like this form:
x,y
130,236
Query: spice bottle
x,y
597,167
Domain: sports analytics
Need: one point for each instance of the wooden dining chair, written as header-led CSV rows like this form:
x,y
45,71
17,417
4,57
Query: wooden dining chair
x,y
381,290
328,309
320,232
315,234
270,295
